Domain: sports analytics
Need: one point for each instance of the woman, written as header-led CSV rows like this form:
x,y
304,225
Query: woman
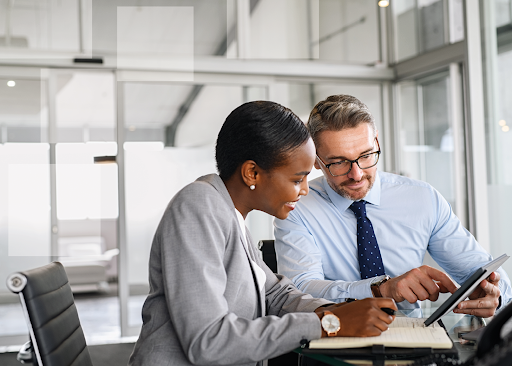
x,y
212,300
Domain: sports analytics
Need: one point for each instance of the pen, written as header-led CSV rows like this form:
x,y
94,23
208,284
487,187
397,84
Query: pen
x,y
388,311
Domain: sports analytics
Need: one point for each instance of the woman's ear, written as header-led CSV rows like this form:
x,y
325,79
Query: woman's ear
x,y
249,170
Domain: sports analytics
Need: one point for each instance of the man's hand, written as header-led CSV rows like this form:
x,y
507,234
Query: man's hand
x,y
362,318
418,284
484,300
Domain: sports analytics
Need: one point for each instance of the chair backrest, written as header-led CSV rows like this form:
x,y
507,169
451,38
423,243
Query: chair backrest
x,y
55,330
269,254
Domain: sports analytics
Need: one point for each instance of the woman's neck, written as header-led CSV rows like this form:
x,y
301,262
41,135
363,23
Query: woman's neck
x,y
240,194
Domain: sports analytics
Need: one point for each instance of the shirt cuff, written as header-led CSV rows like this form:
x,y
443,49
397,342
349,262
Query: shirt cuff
x,y
361,289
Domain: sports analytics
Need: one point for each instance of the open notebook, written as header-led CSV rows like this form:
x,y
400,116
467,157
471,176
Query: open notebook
x,y
403,332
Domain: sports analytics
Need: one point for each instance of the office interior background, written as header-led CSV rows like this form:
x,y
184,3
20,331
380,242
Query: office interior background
x,y
109,107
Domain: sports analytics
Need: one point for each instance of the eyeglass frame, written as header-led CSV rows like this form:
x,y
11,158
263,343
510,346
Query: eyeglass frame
x,y
378,152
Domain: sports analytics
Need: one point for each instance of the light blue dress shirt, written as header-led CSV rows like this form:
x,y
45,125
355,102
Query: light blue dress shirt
x,y
316,245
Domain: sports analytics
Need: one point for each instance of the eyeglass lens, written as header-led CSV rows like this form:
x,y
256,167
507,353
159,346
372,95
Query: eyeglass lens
x,y
364,162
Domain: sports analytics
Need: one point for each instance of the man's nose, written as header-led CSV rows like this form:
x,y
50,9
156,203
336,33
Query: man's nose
x,y
356,173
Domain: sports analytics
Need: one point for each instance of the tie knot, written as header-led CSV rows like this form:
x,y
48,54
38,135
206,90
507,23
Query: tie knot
x,y
359,208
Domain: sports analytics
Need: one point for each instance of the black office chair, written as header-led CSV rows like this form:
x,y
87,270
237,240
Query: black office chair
x,y
269,254
56,335
269,257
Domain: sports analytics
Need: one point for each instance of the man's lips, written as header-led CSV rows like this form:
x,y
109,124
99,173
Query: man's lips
x,y
354,184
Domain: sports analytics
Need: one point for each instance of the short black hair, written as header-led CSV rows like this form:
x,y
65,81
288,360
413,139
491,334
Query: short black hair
x,y
263,131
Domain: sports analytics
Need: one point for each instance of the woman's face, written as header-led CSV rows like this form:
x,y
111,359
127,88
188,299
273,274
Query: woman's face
x,y
282,186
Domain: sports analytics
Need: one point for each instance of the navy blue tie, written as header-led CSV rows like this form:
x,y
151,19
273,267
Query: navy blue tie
x,y
368,253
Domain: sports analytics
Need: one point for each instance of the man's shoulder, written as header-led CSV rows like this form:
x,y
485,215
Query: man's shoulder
x,y
317,191
395,180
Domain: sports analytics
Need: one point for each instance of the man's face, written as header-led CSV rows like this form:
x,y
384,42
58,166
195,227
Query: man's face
x,y
348,144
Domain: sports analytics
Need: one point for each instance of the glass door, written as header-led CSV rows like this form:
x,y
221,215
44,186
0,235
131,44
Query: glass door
x,y
25,209
431,135
84,225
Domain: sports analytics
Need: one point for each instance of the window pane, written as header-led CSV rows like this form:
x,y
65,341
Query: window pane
x,y
334,30
85,106
39,25
498,61
430,138
424,25
24,221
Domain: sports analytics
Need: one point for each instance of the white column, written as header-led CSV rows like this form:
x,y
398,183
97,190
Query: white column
x,y
456,118
476,123
243,27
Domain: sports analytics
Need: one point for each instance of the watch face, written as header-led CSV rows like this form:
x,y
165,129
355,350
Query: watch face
x,y
330,323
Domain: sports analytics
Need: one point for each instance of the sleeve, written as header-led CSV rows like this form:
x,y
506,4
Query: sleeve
x,y
193,236
300,259
449,240
282,296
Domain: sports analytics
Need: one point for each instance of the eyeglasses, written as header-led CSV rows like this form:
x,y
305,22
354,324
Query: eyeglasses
x,y
344,167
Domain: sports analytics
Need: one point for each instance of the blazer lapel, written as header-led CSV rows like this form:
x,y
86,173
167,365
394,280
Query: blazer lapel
x,y
261,294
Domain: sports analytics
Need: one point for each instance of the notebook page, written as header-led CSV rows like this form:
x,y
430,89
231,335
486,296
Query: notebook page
x,y
401,322
406,337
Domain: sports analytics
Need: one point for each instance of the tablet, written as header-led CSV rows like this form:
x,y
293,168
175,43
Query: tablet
x,y
467,288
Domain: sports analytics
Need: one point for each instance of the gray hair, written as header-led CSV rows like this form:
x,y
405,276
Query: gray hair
x,y
338,112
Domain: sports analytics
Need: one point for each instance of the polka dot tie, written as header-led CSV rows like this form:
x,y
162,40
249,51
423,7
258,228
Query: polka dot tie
x,y
368,253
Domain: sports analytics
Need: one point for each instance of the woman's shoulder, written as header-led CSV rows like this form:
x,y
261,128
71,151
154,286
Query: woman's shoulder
x,y
207,192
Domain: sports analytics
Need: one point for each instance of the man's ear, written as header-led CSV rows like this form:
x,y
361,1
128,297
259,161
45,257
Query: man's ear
x,y
249,170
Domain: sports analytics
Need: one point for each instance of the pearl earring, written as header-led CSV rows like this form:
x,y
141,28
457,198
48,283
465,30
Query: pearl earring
x,y
252,187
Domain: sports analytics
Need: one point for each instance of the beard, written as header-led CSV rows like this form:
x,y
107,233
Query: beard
x,y
354,195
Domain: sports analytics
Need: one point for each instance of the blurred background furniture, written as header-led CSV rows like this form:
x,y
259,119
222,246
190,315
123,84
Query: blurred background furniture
x,y
86,262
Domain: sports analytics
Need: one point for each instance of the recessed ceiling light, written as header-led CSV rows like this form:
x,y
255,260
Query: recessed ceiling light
x,y
383,3
505,128
502,122
11,83
131,128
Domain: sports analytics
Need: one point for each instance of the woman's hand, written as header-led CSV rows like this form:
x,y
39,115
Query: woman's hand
x,y
361,318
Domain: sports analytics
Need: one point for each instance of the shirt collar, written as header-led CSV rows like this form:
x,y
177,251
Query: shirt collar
x,y
343,203
241,222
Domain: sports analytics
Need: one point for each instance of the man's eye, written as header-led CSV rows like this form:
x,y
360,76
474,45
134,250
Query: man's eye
x,y
341,163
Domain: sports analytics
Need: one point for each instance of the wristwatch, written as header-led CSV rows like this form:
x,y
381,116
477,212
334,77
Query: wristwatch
x,y
330,323
375,285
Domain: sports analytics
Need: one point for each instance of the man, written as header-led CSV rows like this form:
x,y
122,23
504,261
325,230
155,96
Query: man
x,y
362,233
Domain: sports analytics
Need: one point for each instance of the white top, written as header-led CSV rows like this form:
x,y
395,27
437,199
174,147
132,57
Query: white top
x,y
260,274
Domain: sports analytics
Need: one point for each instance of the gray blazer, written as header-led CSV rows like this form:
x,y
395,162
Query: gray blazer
x,y
204,305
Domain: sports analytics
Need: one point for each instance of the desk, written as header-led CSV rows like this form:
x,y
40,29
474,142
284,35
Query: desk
x,y
456,324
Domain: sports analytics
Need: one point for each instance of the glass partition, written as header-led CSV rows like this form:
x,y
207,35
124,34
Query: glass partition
x,y
431,137
497,34
424,25
39,26
346,31
24,187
